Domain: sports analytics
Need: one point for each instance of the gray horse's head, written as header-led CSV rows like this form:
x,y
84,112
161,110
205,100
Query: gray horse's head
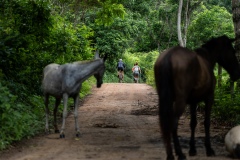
x,y
101,69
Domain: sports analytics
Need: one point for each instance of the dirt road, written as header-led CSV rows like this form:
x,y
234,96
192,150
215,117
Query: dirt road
x,y
117,121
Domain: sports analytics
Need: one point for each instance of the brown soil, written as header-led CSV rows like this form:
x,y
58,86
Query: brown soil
x,y
117,121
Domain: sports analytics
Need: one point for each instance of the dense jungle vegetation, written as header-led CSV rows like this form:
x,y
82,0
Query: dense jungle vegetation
x,y
34,33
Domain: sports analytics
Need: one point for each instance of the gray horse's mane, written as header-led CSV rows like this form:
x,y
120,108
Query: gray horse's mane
x,y
84,62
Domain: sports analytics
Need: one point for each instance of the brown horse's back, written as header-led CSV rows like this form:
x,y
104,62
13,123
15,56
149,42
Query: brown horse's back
x,y
184,65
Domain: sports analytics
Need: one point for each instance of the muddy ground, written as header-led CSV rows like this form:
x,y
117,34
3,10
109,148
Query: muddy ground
x,y
117,121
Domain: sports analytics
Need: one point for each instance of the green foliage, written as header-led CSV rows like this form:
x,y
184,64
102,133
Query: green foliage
x,y
44,39
150,78
31,38
86,86
221,3
226,106
111,77
151,59
68,43
38,32
24,26
212,22
145,61
111,40
17,120
109,11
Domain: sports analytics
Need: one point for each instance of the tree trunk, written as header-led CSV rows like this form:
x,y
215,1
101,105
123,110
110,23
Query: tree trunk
x,y
186,23
180,40
236,21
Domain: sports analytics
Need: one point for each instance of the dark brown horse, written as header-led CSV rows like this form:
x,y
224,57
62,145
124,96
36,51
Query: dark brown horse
x,y
186,77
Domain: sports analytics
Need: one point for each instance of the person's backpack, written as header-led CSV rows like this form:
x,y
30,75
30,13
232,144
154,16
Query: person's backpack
x,y
120,65
136,69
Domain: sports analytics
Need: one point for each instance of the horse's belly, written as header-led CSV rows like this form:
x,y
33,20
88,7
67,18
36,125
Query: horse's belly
x,y
52,88
197,97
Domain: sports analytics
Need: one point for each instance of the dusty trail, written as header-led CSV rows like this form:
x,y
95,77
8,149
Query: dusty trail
x,y
117,121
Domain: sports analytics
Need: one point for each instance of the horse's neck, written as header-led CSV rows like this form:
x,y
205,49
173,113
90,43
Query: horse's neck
x,y
207,55
86,70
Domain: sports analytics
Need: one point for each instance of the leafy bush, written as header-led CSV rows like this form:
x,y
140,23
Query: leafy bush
x,y
18,120
216,21
23,119
145,61
226,106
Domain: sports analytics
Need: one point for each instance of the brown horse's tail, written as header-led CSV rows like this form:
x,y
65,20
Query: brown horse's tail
x,y
164,84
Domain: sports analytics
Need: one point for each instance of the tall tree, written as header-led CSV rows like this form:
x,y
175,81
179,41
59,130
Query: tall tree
x,y
187,8
180,40
236,21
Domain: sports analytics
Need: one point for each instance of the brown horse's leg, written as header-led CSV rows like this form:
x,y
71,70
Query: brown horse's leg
x,y
46,101
167,142
179,108
166,129
177,146
193,124
57,103
167,132
208,106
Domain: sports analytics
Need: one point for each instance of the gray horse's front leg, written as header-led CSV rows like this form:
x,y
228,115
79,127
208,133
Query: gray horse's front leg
x,y
65,100
76,102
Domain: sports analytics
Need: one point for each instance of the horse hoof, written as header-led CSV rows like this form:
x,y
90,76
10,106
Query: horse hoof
x,y
171,157
182,157
210,153
78,135
62,136
192,152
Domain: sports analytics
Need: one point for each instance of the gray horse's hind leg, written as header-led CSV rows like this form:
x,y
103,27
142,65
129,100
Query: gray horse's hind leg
x,y
46,101
76,102
65,101
57,103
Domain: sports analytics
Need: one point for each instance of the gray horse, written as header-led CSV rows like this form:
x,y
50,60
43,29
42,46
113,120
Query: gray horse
x,y
64,81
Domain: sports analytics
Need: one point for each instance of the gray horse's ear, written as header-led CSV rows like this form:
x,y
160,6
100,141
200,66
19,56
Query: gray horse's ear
x,y
96,54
